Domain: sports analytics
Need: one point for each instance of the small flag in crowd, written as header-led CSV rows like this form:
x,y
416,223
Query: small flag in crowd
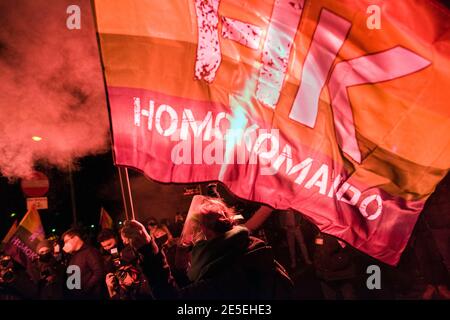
x,y
20,242
106,222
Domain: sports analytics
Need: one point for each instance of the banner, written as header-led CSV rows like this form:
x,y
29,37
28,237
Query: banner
x,y
21,245
337,109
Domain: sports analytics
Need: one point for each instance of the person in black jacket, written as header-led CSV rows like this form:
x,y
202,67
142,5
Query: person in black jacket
x,y
90,262
110,248
15,282
226,262
335,267
50,272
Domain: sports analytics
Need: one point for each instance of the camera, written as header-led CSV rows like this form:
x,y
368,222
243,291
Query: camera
x,y
7,274
126,273
126,276
115,256
47,273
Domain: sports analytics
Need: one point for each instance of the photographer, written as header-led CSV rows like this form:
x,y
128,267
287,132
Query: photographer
x,y
110,249
15,282
7,273
51,272
127,281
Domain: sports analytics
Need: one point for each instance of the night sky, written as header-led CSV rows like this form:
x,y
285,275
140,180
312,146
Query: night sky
x,y
97,184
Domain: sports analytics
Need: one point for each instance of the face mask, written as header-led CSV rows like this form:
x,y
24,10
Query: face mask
x,y
68,247
46,257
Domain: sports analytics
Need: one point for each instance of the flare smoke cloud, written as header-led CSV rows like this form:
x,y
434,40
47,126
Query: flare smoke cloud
x,y
50,87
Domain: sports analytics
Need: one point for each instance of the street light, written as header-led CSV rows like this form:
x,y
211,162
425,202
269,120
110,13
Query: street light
x,y
36,138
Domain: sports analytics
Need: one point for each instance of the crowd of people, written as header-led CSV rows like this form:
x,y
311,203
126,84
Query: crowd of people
x,y
208,254
213,258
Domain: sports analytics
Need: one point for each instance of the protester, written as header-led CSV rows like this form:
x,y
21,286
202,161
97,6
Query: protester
x,y
430,262
15,281
335,267
290,222
159,231
90,263
211,191
226,262
50,272
110,248
177,256
176,227
107,239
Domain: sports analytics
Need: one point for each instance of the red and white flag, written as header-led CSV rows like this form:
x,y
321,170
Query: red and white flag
x,y
337,109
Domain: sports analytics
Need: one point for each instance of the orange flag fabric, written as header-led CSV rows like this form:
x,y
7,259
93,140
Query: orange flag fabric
x,y
337,109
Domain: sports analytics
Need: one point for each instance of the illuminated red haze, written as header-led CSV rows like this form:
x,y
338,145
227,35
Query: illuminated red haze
x,y
52,101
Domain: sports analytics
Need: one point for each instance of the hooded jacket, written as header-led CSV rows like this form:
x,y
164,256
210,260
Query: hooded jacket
x,y
231,266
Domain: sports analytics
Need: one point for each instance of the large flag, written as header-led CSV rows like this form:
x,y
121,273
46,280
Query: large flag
x,y
21,244
106,222
337,109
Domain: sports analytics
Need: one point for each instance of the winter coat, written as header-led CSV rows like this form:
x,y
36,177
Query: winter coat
x,y
91,265
231,266
332,262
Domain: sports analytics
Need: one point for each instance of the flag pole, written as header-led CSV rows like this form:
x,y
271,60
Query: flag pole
x,y
125,206
73,197
129,194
